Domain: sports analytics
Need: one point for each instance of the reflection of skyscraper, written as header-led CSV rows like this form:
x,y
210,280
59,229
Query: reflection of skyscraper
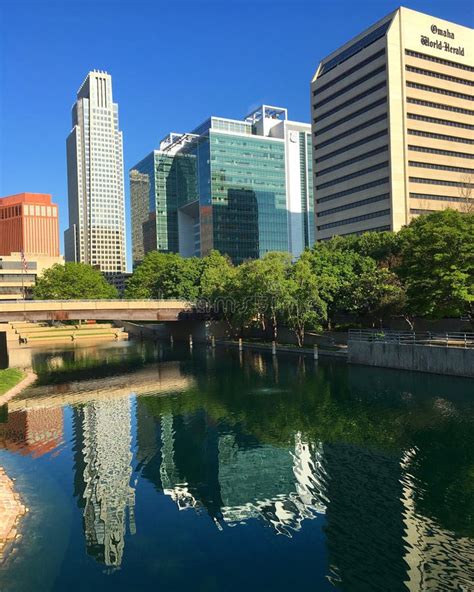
x,y
103,470
278,485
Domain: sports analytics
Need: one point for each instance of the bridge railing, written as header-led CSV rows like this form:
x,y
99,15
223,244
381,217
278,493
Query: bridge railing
x,y
431,338
80,300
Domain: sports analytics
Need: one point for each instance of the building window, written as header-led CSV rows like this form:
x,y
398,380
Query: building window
x,y
353,190
370,169
364,110
439,75
441,167
440,182
347,73
429,58
355,204
349,87
441,91
351,146
352,161
452,153
440,137
440,121
438,197
351,131
350,101
355,219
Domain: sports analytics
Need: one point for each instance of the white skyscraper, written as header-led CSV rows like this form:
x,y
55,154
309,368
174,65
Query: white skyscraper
x,y
96,233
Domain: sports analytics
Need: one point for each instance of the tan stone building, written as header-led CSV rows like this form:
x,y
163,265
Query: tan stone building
x,y
392,123
18,276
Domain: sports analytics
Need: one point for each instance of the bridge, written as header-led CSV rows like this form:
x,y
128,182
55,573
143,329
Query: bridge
x,y
99,310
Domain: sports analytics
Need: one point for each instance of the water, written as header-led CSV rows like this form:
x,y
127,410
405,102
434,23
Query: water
x,y
146,468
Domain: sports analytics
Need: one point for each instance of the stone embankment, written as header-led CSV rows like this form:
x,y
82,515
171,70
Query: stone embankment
x,y
11,512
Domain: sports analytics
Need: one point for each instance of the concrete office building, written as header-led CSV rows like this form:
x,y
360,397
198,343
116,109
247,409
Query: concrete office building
x,y
392,123
242,187
96,233
18,274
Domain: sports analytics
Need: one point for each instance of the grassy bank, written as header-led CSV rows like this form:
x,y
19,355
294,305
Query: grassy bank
x,y
9,378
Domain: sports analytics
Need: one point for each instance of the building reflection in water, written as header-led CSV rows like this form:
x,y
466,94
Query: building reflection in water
x,y
229,475
32,431
102,476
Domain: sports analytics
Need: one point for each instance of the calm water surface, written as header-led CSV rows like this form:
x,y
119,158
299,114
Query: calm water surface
x,y
146,468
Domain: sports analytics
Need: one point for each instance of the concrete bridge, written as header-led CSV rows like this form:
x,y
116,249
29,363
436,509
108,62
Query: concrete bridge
x,y
100,310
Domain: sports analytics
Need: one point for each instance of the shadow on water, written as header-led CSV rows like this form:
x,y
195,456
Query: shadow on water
x,y
331,476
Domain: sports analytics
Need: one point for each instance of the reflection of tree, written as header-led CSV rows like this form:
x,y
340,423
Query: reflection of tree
x,y
102,479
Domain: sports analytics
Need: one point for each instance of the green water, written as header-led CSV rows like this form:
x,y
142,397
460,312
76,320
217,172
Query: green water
x,y
151,468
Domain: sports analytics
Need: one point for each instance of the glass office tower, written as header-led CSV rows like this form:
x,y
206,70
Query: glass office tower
x,y
241,187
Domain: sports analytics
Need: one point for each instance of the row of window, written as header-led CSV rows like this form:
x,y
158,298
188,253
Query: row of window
x,y
352,115
452,153
352,160
439,75
440,106
349,87
440,137
441,91
351,146
440,121
354,204
440,167
347,73
375,167
429,58
353,190
352,100
355,219
441,182
351,131
437,197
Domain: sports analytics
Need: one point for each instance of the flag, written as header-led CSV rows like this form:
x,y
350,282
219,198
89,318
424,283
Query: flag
x,y
24,262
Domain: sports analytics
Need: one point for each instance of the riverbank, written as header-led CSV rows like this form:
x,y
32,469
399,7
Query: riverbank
x,y
306,351
11,512
13,381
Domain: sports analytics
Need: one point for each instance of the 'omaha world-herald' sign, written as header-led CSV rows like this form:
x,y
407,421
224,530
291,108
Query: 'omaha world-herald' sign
x,y
441,45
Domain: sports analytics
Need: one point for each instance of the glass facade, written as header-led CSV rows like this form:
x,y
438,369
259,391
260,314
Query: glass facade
x,y
225,187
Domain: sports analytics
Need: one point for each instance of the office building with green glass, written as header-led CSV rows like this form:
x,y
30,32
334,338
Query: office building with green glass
x,y
241,187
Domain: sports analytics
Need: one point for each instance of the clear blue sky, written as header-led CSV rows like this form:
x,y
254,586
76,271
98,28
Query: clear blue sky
x,y
173,64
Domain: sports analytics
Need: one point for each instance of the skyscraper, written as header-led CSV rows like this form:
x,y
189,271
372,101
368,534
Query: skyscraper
x,y
392,114
96,233
242,187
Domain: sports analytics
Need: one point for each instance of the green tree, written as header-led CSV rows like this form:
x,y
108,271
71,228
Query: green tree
x,y
166,275
73,281
305,306
437,264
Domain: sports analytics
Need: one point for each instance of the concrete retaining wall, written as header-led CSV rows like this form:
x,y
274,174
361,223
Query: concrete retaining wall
x,y
455,361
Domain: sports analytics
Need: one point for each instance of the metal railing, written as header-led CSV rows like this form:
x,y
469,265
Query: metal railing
x,y
431,338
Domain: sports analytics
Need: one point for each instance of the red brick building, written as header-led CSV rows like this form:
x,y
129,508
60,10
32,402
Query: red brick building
x,y
29,222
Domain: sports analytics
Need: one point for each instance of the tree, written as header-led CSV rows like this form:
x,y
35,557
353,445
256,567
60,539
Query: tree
x,y
437,264
71,281
217,285
383,247
165,275
304,305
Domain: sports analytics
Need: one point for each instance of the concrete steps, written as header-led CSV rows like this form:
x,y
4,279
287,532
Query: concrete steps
x,y
33,332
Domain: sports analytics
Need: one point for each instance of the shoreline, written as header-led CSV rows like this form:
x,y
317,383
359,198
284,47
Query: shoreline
x,y
15,390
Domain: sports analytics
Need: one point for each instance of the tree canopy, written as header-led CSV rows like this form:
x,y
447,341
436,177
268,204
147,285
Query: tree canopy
x,y
73,281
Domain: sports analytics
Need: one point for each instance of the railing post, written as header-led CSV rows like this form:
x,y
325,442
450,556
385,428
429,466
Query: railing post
x,y
315,351
447,340
190,341
241,347
213,342
274,348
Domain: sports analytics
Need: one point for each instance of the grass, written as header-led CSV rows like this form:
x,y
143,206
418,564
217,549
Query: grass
x,y
9,378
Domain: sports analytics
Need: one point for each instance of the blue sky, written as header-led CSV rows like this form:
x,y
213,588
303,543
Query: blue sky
x,y
173,64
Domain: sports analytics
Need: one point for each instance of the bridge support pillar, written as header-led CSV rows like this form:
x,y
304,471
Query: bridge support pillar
x,y
4,359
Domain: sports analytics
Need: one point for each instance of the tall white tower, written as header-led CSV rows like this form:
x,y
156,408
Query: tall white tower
x,y
96,233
